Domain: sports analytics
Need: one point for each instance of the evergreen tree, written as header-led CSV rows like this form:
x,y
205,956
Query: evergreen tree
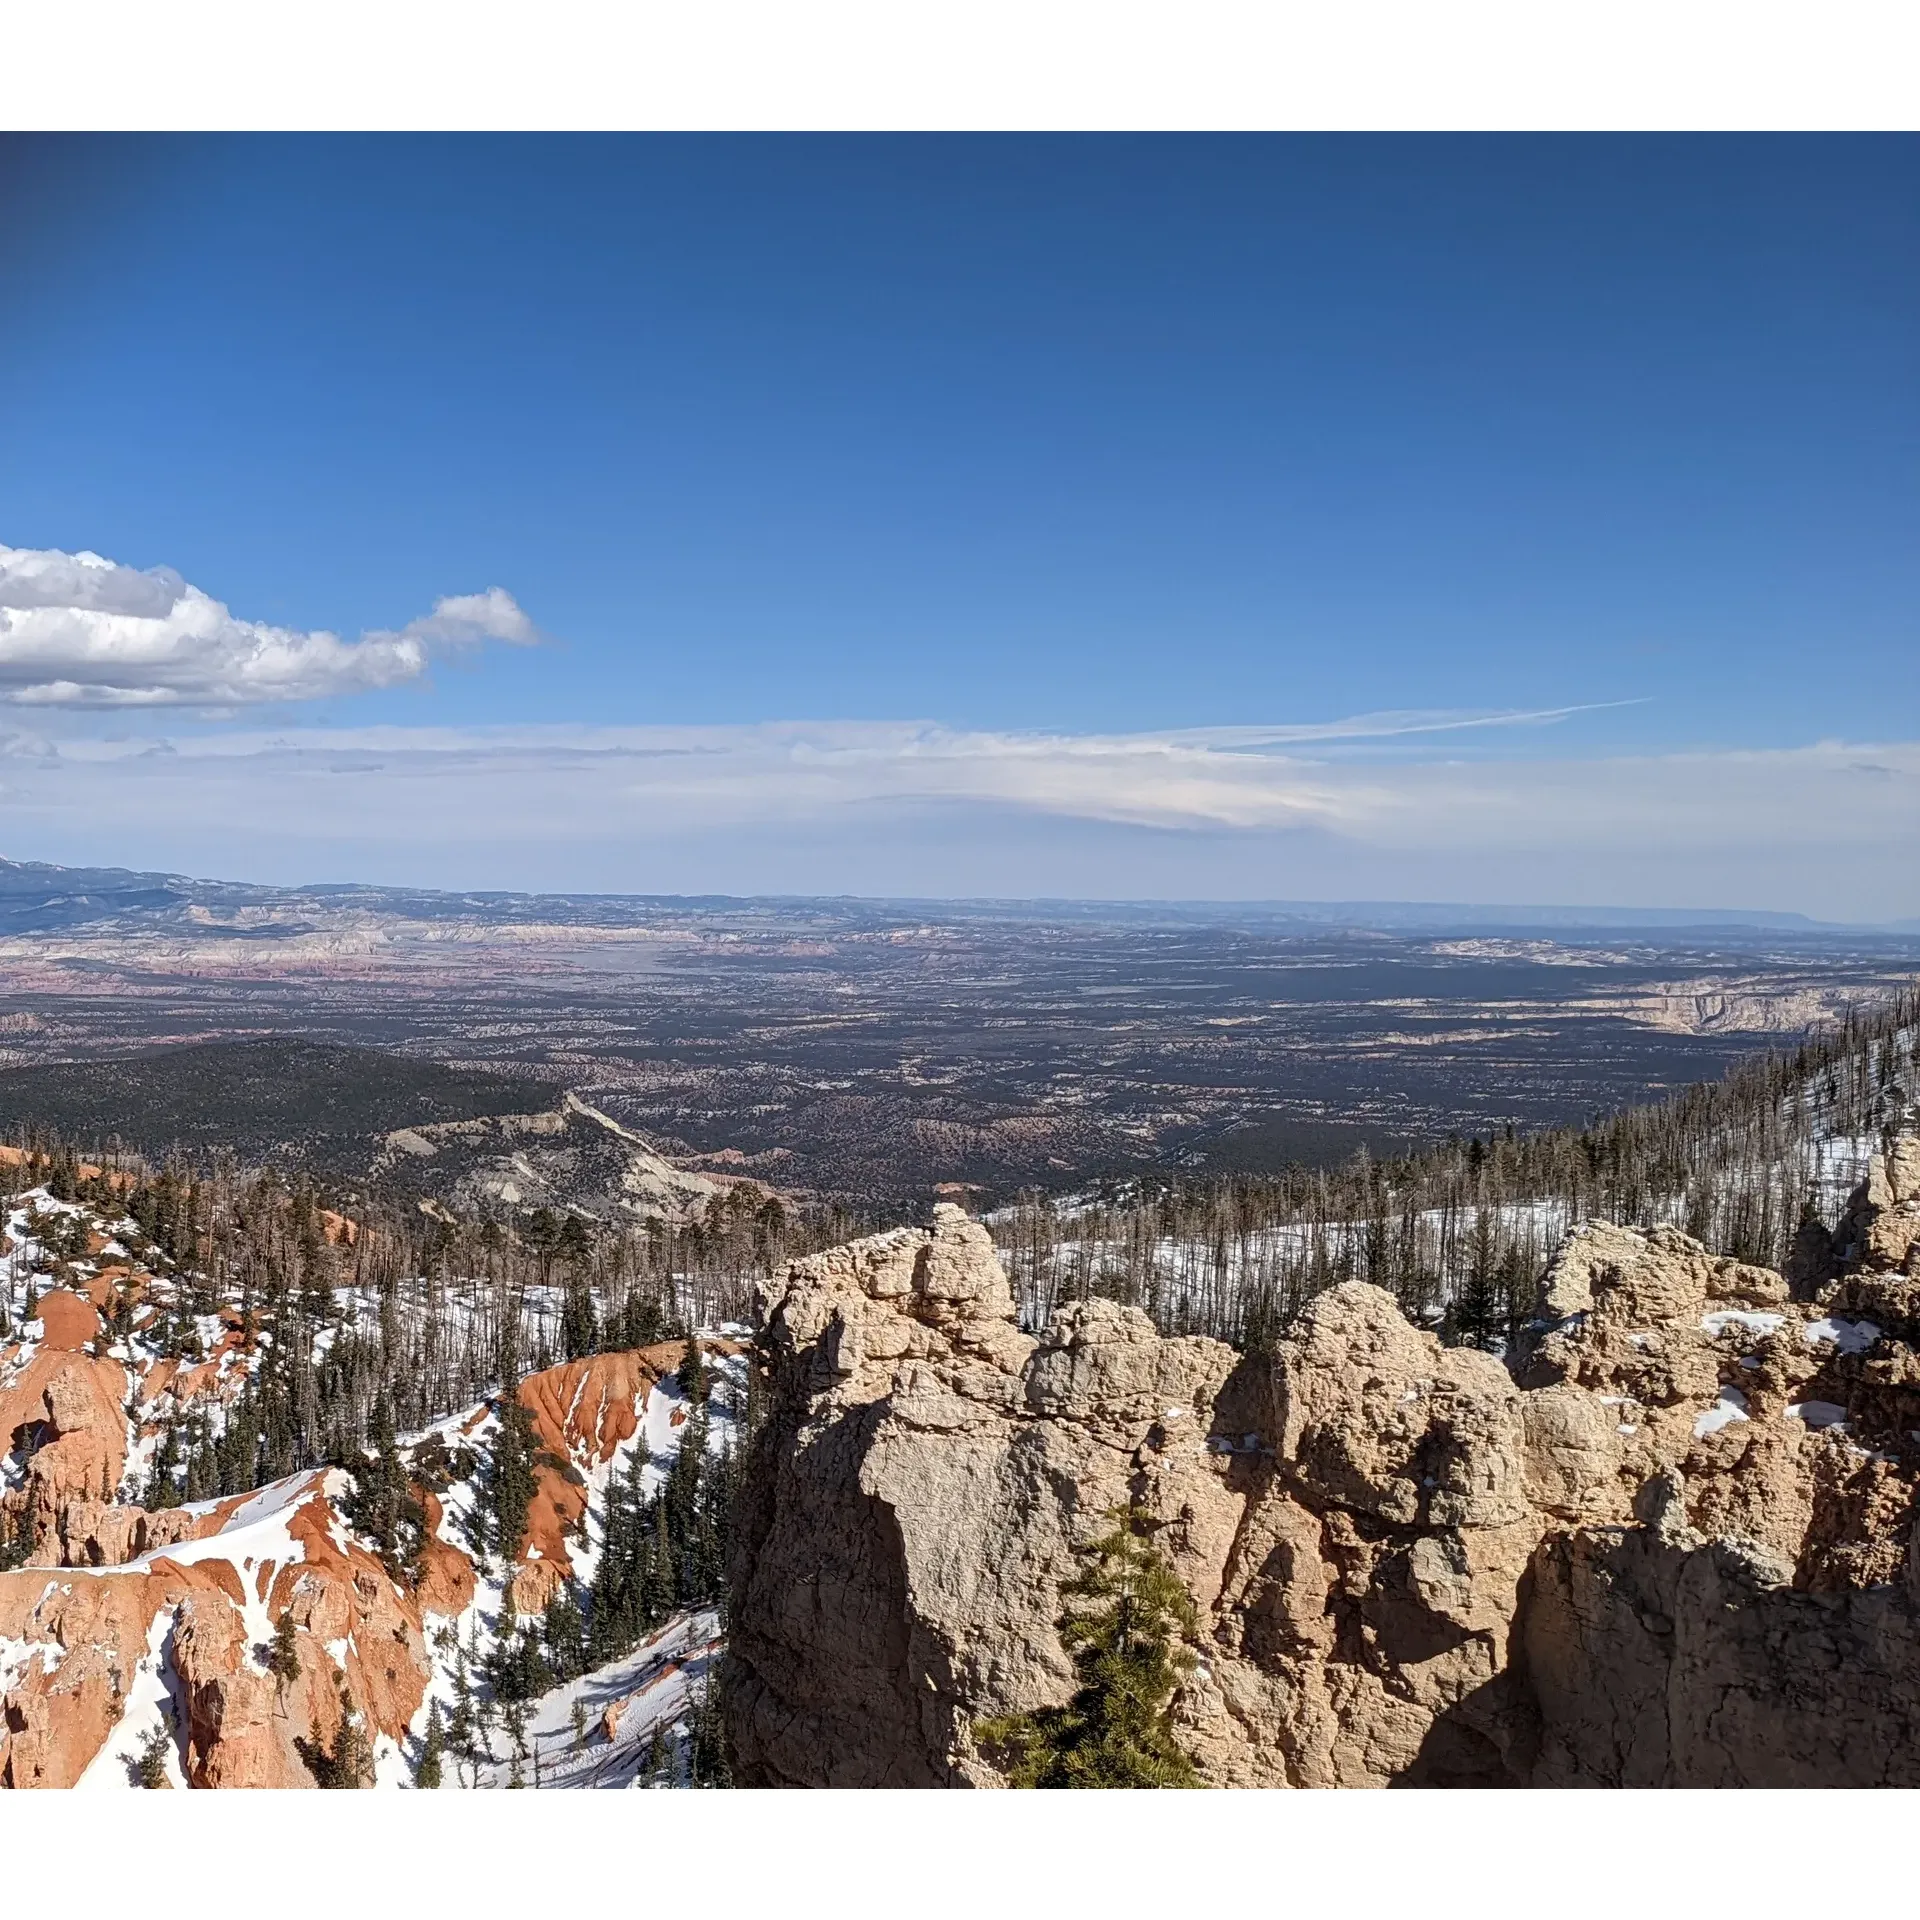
x,y
460,1723
352,1755
162,1489
579,1327
150,1765
693,1375
709,1763
283,1656
659,1588
1125,1625
427,1773
516,1672
382,1505
513,1477
641,1320
681,1494
203,1467
565,1633
349,1761
617,1611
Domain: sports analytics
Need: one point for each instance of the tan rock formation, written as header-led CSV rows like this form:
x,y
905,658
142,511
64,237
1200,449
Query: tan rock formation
x,y
1635,1558
909,1401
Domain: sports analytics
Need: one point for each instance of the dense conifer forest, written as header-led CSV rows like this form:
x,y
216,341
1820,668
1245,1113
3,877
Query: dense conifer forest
x,y
385,1323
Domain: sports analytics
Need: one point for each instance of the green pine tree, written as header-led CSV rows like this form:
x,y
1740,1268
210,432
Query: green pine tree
x,y
162,1489
460,1725
709,1763
283,1656
513,1478
349,1761
427,1773
1125,1625
693,1375
565,1633
150,1767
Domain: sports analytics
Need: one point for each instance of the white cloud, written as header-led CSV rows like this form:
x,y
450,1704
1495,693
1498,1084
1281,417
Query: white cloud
x,y
77,630
801,807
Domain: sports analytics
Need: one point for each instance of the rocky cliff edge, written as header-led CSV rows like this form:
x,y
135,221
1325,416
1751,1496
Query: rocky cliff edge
x,y
1673,1544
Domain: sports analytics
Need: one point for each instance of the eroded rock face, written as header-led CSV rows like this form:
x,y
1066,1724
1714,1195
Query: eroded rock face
x,y
124,1607
580,1412
923,1475
205,1619
1632,1559
62,1411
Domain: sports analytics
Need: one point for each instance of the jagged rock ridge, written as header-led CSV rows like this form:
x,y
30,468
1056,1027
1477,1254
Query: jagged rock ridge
x,y
1673,1545
127,1621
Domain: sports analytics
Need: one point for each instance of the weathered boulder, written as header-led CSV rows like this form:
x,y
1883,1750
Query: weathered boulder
x,y
62,1413
1412,1565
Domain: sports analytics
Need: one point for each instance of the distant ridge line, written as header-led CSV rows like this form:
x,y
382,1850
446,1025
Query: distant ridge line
x,y
42,894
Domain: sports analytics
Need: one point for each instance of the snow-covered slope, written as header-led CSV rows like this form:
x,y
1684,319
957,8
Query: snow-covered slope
x,y
295,1631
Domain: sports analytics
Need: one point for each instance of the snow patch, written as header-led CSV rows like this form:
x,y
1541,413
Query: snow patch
x,y
153,1702
1757,1324
1731,1406
1818,1414
1850,1336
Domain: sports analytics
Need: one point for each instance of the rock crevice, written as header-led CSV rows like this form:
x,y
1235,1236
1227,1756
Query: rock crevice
x,y
1671,1544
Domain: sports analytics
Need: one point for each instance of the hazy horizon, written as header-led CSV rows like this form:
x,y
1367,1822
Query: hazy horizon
x,y
1477,518
1410,913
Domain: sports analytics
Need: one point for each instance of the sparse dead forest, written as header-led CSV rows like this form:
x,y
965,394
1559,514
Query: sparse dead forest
x,y
1757,1165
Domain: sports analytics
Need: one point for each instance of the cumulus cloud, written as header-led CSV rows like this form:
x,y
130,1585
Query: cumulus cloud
x,y
77,630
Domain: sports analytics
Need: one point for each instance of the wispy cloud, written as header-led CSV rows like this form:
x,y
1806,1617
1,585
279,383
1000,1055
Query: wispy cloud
x,y
585,785
77,630
1379,804
1387,726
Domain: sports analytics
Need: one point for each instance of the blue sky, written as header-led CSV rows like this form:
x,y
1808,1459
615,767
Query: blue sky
x,y
1037,443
